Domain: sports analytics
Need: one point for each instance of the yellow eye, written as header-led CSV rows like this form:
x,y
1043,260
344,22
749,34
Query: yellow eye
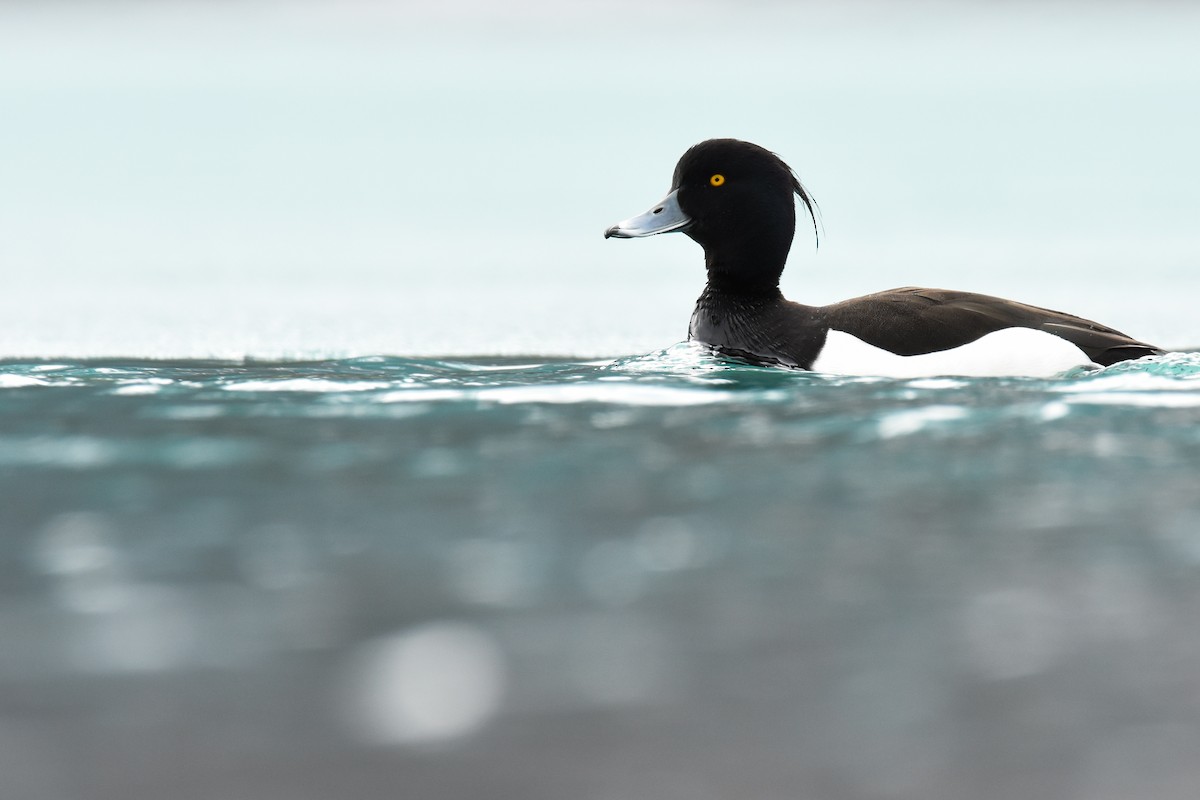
x,y
717,180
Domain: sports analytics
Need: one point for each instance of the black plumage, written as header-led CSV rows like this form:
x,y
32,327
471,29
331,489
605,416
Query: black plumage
x,y
735,199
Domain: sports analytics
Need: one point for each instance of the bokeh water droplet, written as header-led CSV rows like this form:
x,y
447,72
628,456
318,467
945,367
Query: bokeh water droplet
x,y
432,684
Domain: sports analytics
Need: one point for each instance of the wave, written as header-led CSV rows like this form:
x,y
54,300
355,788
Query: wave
x,y
683,374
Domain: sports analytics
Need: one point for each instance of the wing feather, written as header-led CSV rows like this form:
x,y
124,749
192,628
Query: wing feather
x,y
914,321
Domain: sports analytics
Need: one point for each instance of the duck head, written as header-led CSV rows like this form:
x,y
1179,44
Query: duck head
x,y
737,201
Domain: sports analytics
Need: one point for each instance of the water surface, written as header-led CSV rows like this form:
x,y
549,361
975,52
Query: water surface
x,y
666,575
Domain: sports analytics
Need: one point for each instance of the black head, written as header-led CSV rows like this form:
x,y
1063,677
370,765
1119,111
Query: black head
x,y
736,200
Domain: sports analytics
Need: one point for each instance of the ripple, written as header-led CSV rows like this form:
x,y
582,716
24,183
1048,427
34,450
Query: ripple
x,y
908,422
10,381
1156,399
631,394
304,385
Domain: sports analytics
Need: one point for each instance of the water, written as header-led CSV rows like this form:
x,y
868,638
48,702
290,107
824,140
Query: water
x,y
668,575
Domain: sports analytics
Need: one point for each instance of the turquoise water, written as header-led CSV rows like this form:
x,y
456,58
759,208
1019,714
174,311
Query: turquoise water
x,y
666,575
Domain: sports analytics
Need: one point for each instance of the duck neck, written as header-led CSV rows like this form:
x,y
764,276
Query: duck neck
x,y
753,274
750,261
720,284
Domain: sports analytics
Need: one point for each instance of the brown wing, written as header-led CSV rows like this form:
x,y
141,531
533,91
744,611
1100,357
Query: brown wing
x,y
912,321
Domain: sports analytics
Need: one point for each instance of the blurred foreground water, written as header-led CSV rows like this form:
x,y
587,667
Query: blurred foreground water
x,y
667,576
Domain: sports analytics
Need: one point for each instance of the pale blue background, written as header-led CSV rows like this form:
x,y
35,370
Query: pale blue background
x,y
309,179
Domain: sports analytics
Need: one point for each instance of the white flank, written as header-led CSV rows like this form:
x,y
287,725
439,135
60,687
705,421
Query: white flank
x,y
1009,352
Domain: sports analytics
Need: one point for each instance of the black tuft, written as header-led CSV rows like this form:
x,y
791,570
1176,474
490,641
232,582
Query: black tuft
x,y
806,197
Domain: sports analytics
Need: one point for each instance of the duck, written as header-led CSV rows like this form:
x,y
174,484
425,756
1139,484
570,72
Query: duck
x,y
737,201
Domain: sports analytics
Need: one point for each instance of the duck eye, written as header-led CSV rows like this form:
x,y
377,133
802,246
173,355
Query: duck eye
x,y
717,180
